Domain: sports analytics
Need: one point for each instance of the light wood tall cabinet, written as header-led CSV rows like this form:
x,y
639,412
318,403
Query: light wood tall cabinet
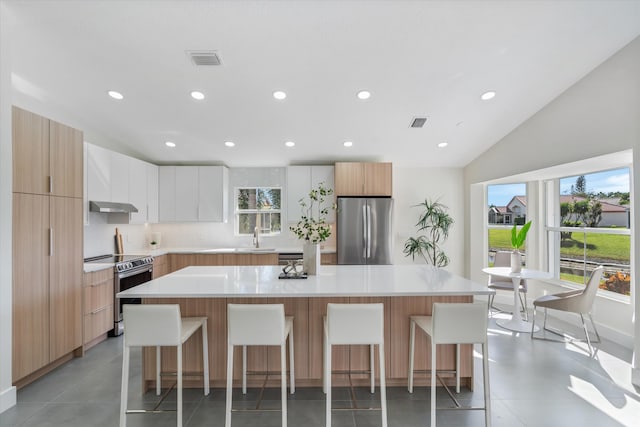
x,y
47,156
47,243
363,179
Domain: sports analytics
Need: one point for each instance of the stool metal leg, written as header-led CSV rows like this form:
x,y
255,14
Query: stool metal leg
x,y
125,386
244,369
227,418
433,384
158,369
205,357
283,382
373,368
485,375
412,344
383,385
180,385
328,381
457,368
292,366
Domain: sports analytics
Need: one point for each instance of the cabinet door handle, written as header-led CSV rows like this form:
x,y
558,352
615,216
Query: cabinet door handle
x,y
50,184
96,311
51,242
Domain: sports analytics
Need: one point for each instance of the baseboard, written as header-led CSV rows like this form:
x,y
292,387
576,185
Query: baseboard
x,y
7,399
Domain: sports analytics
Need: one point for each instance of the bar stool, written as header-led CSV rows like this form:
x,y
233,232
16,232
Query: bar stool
x,y
157,325
355,324
259,324
453,323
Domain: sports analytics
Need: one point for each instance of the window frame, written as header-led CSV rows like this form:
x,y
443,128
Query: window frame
x,y
237,211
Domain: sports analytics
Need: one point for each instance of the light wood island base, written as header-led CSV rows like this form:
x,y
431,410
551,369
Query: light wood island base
x,y
308,313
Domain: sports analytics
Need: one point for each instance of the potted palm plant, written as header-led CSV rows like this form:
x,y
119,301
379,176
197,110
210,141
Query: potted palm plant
x,y
313,230
517,241
434,222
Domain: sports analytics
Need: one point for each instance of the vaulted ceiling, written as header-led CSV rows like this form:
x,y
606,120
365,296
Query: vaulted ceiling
x,y
430,59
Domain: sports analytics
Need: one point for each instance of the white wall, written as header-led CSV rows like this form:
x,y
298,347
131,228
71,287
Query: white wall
x,y
596,116
7,391
412,186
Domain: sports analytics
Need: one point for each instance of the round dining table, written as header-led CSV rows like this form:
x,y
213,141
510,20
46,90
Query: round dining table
x,y
516,323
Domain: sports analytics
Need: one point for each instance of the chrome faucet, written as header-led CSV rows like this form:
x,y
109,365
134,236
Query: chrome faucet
x,y
256,240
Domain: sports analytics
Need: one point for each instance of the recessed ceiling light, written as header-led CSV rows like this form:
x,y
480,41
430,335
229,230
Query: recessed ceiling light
x,y
229,143
364,94
488,95
115,95
197,95
443,144
279,95
347,143
170,144
289,143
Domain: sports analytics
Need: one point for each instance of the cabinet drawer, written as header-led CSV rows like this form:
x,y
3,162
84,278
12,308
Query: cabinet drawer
x,y
97,296
98,322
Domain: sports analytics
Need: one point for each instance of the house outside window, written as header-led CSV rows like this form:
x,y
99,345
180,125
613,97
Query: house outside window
x,y
588,225
507,205
258,207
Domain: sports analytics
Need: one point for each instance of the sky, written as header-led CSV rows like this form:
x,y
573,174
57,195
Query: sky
x,y
607,181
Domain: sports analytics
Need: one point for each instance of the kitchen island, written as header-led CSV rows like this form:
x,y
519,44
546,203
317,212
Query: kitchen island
x,y
404,290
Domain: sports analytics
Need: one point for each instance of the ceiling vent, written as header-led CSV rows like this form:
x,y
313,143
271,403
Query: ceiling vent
x,y
418,122
204,57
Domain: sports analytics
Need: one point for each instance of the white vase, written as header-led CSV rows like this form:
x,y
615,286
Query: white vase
x,y
516,261
311,258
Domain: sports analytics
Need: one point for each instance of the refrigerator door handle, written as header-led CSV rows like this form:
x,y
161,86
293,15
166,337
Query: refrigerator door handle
x,y
368,231
364,231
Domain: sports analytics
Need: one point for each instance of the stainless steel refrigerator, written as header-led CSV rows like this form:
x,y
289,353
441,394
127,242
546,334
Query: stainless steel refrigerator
x,y
364,230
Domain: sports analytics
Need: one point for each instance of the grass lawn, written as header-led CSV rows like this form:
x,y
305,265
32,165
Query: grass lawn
x,y
612,247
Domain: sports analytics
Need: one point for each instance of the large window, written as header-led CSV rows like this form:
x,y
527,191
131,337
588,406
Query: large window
x,y
588,219
258,207
507,205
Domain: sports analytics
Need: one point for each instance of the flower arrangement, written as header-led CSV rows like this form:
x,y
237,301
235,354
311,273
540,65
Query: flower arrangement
x,y
314,229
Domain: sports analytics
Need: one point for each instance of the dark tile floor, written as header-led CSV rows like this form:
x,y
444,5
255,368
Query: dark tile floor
x,y
533,383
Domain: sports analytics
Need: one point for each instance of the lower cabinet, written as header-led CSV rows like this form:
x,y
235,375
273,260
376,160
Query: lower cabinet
x,y
160,266
97,288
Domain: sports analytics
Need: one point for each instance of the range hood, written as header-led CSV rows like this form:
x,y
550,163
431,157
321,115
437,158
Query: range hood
x,y
111,207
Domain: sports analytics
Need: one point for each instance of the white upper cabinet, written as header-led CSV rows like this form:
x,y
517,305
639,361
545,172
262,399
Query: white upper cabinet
x,y
114,177
300,181
152,193
138,190
98,173
187,193
213,184
119,175
167,193
193,193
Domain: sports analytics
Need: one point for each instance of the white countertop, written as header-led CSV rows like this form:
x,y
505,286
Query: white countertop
x,y
333,281
94,266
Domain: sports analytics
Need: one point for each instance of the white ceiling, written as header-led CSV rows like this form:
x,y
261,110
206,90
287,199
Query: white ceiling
x,y
431,58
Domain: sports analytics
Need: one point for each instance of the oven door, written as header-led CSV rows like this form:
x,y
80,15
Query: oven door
x,y
123,281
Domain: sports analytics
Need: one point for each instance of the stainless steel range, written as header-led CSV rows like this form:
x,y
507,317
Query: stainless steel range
x,y
129,271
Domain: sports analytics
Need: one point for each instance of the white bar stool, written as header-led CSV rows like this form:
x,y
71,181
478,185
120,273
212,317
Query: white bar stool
x,y
259,324
453,323
159,325
355,324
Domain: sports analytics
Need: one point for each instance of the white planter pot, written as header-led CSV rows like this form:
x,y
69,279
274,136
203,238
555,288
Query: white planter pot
x,y
311,258
516,261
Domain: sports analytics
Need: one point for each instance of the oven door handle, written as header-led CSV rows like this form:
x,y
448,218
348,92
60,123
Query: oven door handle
x,y
129,273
